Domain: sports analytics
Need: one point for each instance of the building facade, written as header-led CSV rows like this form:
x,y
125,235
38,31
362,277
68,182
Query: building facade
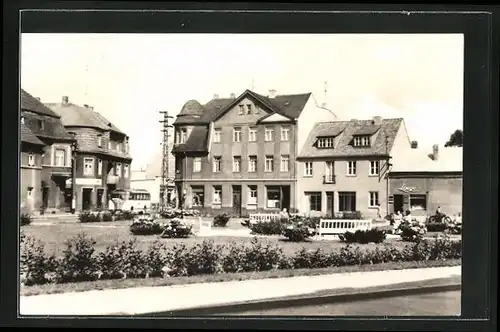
x,y
102,157
344,166
48,171
237,154
421,182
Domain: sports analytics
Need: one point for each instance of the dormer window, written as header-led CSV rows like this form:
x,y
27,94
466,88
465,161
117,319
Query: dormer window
x,y
41,124
326,142
183,135
361,141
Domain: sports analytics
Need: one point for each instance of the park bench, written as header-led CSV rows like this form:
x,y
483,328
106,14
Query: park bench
x,y
340,226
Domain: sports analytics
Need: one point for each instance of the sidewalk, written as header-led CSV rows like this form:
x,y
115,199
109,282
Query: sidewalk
x,y
144,300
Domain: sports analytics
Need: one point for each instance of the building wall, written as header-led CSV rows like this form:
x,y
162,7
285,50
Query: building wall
x,y
30,181
444,190
362,183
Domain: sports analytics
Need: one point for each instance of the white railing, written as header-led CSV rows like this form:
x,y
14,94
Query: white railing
x,y
263,217
340,226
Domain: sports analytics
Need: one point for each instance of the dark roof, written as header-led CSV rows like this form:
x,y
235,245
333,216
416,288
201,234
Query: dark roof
x,y
192,107
367,129
287,105
28,137
197,141
30,103
52,127
343,148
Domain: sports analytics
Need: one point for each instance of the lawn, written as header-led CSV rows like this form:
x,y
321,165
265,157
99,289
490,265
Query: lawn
x,y
107,233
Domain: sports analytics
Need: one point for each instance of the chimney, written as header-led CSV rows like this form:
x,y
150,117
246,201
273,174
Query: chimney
x,y
414,144
65,100
435,152
377,120
38,98
85,105
216,96
272,93
233,96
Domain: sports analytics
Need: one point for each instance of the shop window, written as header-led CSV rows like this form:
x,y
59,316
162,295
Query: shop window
x,y
418,202
198,196
273,197
347,201
252,195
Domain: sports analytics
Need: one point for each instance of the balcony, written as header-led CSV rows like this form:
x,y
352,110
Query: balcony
x,y
329,178
113,179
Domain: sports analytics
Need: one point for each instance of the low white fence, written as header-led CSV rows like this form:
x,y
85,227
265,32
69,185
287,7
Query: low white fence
x,y
263,217
340,226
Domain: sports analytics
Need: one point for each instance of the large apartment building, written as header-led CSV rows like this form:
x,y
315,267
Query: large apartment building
x,y
102,156
238,154
344,165
45,158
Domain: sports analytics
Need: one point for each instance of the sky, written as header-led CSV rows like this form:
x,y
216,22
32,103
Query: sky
x,y
129,78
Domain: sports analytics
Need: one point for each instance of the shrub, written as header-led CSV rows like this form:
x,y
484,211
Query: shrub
x,y
273,227
87,216
221,220
412,233
146,228
373,235
25,219
205,258
78,262
107,216
260,257
36,268
349,215
298,233
176,228
124,215
122,260
436,227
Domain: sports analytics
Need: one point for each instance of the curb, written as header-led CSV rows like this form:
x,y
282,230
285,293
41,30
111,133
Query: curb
x,y
278,303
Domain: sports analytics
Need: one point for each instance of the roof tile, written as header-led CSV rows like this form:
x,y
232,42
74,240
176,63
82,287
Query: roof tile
x,y
28,137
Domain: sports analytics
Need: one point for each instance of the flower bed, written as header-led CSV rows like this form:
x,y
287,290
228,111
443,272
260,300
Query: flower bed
x,y
369,236
80,262
105,216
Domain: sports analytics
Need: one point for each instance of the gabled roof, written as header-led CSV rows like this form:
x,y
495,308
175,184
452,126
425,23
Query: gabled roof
x,y
197,141
31,104
80,116
289,106
345,131
367,129
28,137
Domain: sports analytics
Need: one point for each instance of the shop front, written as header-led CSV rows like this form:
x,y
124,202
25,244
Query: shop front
x,y
422,194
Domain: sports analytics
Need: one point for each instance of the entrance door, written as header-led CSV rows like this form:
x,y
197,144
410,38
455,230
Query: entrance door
x,y
45,197
237,200
285,198
86,198
329,204
398,203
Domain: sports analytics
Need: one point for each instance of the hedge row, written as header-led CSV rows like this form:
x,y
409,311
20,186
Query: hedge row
x,y
80,262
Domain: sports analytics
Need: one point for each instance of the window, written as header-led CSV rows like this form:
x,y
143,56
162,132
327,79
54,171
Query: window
x,y
256,109
374,199
314,201
197,165
183,135
109,145
119,169
119,147
236,164
308,168
60,157
326,142
269,164
177,137
329,172
249,108
99,167
99,141
361,141
351,168
31,159
374,167
198,196
285,163
88,166
252,163
252,134
217,135
252,195
273,197
217,164
41,124
285,133
30,191
125,171
241,110
347,201
237,134
269,134
418,202
217,195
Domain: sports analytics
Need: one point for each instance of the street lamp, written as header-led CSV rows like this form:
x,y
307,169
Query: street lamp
x,y
74,147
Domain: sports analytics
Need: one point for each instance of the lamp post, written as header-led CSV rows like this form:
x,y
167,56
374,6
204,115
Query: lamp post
x,y
74,147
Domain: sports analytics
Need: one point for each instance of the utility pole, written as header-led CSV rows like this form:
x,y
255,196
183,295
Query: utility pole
x,y
165,158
